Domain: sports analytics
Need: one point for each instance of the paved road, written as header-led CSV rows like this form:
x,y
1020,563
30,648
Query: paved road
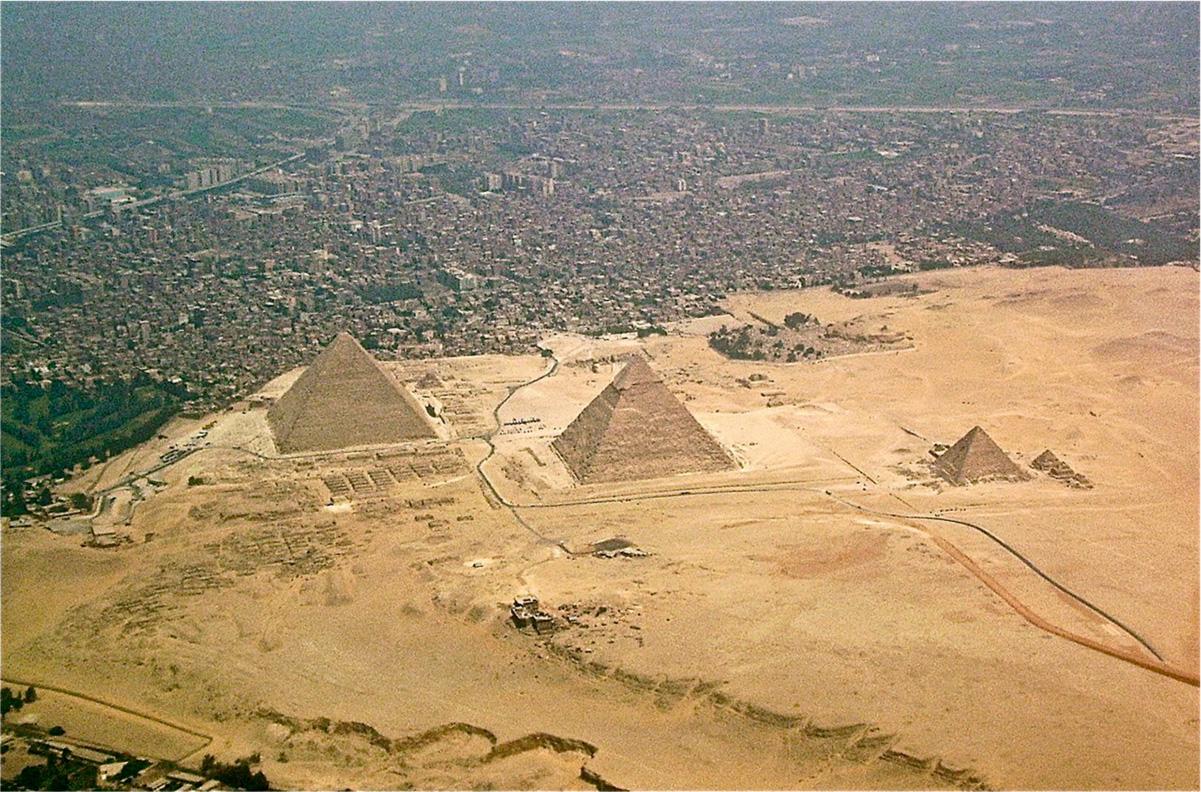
x,y
785,109
132,477
479,467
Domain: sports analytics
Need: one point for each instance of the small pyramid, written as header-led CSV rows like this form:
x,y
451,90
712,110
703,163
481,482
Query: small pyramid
x,y
1046,461
1056,468
976,458
344,398
637,429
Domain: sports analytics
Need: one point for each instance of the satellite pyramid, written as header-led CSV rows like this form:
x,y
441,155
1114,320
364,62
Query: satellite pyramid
x,y
1046,461
1056,468
637,429
344,398
976,458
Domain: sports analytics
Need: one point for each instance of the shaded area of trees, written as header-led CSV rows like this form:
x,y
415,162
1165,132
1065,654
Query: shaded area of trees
x,y
752,343
1094,235
390,292
236,774
49,429
11,701
57,774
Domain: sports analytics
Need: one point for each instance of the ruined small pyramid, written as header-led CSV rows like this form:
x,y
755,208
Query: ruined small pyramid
x,y
1056,468
344,398
637,429
1046,461
976,457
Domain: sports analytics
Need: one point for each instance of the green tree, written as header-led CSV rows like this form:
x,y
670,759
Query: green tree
x,y
14,499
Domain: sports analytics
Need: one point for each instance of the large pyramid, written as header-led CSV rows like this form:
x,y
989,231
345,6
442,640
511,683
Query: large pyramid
x,y
976,458
637,429
344,398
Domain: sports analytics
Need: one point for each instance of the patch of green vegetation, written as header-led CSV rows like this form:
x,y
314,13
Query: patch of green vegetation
x,y
613,329
237,774
1111,231
647,332
454,121
57,774
51,429
736,343
65,293
22,132
458,179
1106,235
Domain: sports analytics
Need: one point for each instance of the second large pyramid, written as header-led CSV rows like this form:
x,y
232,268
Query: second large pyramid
x,y
343,399
637,429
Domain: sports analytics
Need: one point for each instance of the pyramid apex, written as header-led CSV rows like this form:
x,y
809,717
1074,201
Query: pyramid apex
x,y
1046,459
635,372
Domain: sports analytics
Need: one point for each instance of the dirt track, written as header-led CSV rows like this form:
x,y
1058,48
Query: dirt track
x,y
208,738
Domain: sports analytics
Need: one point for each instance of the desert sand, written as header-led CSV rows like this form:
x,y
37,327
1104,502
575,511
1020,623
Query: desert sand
x,y
797,621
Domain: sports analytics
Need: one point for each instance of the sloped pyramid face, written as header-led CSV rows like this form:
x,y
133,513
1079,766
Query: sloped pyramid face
x,y
976,458
637,429
344,398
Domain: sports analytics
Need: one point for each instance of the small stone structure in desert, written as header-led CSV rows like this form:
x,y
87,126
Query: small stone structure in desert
x,y
343,399
1059,470
637,429
976,457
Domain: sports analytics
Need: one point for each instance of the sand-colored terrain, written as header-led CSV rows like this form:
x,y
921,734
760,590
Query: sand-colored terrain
x,y
98,724
799,621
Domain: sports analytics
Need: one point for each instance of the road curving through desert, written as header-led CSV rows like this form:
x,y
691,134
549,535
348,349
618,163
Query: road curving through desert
x,y
1155,664
1158,665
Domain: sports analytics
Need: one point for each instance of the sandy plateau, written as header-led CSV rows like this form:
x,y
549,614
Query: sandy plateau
x,y
799,621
